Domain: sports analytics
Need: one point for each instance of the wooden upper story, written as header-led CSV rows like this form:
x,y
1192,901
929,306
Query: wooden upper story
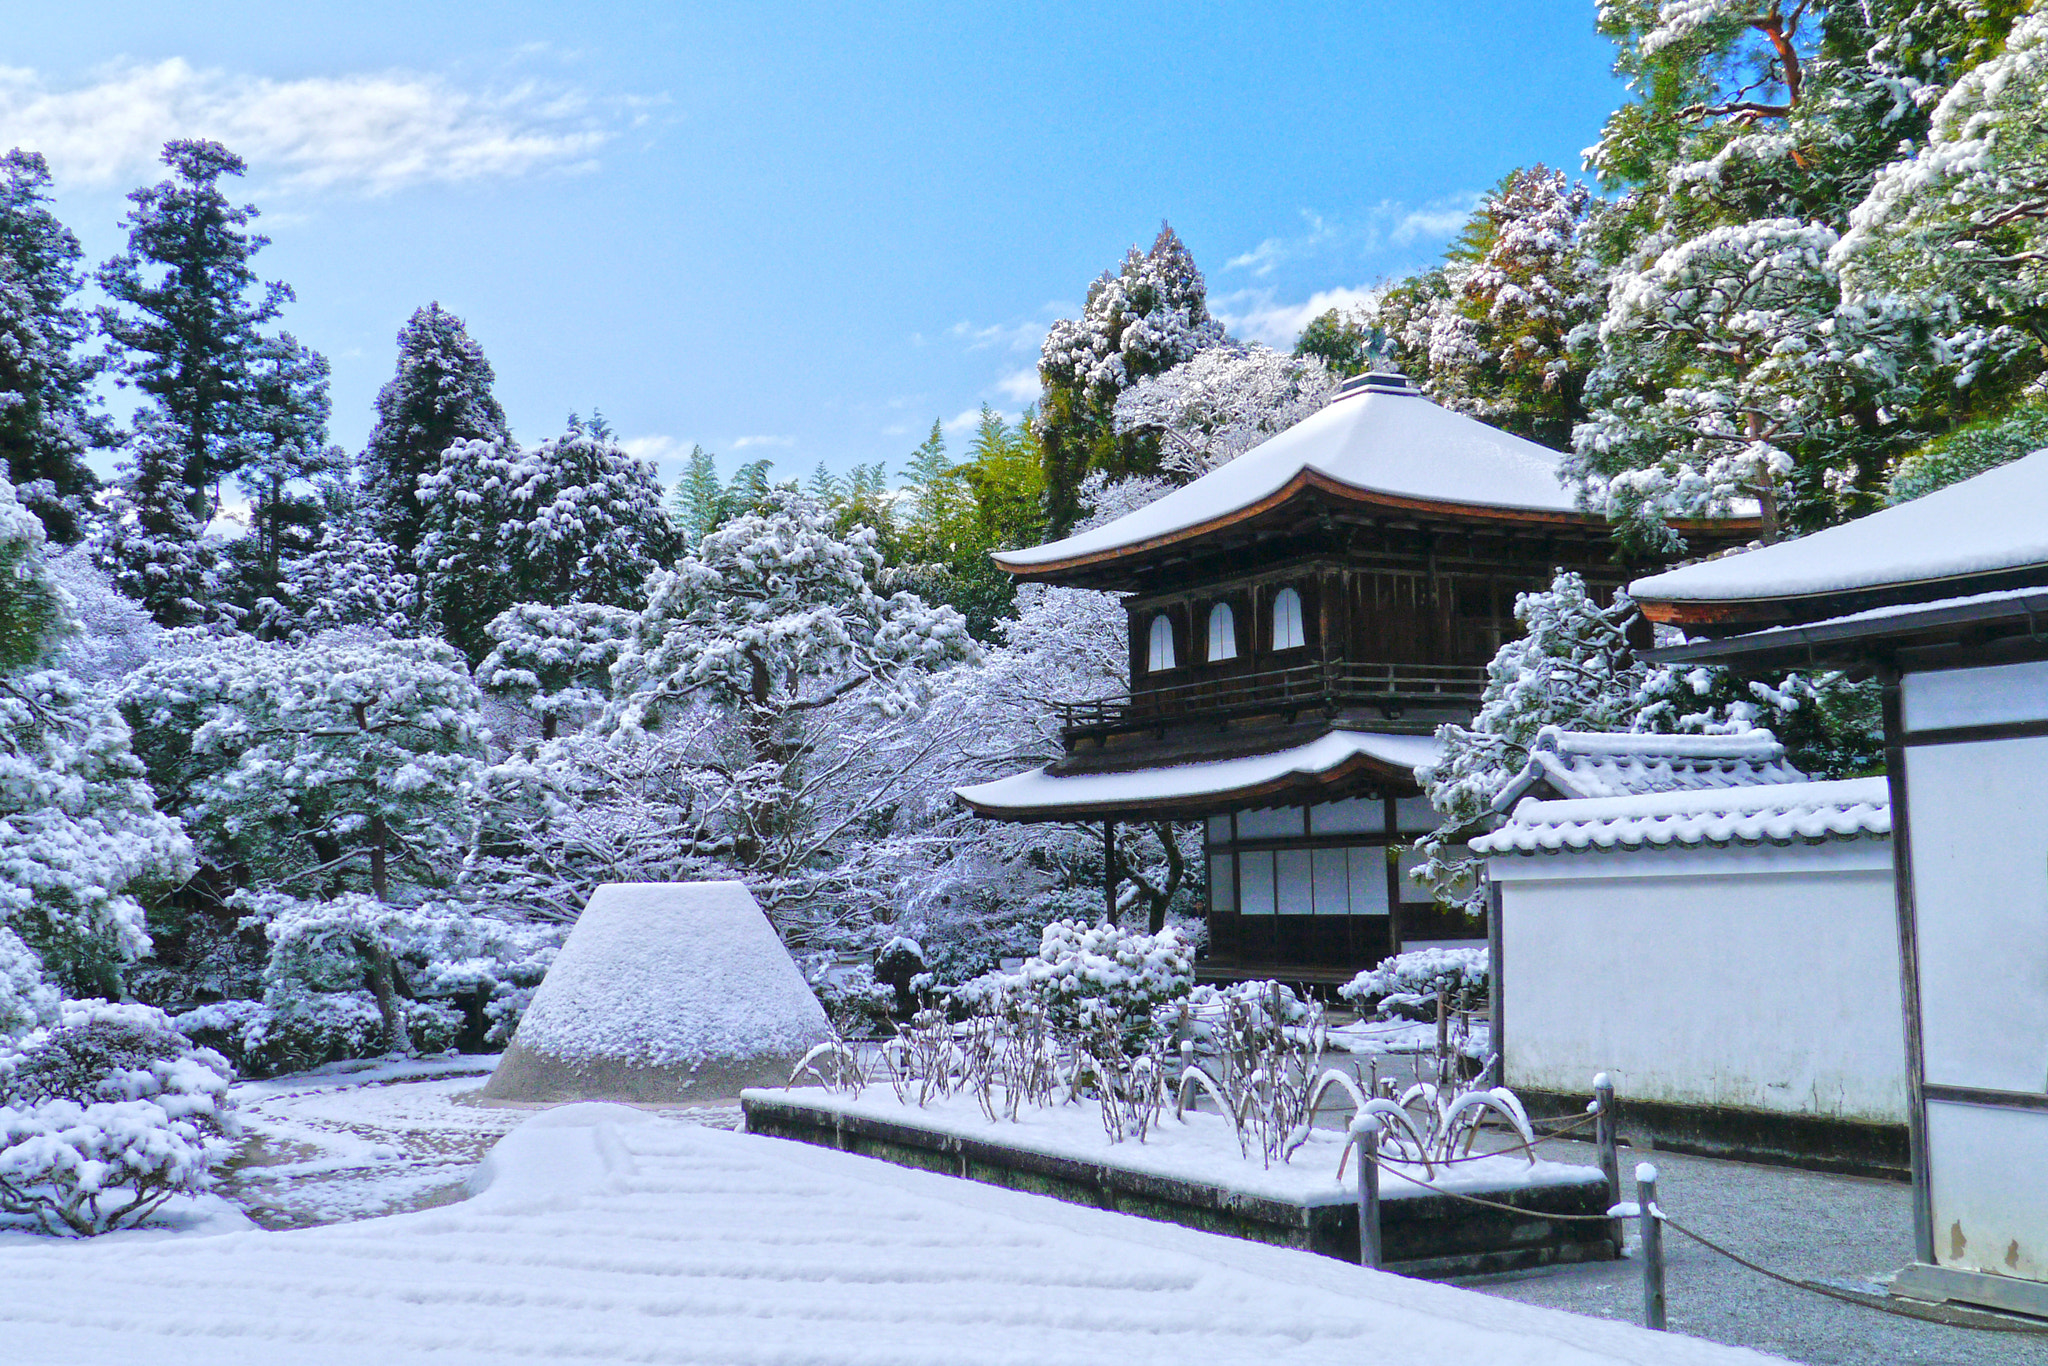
x,y
1359,569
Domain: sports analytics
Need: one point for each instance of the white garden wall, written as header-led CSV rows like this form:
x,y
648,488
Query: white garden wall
x,y
1747,978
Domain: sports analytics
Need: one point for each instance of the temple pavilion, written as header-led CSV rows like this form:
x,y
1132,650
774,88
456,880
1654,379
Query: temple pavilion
x,y
1302,620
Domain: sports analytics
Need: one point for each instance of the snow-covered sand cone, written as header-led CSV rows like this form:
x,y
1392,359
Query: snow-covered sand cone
x,y
665,991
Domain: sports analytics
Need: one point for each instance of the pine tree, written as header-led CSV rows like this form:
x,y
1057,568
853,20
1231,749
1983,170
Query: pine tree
x,y
440,395
49,418
1143,318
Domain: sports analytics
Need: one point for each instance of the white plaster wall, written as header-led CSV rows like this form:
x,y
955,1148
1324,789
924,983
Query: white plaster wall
x,y
1763,979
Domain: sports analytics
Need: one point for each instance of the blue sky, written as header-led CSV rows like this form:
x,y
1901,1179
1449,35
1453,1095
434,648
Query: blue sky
x,y
799,231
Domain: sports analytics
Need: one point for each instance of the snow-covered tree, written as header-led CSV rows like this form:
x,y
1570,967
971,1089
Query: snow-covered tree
x,y
342,764
782,678
556,660
1139,320
1720,357
106,1113
289,461
574,520
1490,332
80,836
153,541
1972,449
351,576
192,341
1958,229
49,417
440,395
1214,407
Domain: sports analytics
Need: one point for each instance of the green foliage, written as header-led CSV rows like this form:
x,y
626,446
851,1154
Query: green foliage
x,y
440,395
1344,344
959,513
1970,450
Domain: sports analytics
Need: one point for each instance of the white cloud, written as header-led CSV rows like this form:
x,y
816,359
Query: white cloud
x,y
744,443
653,449
967,419
1255,315
372,132
1020,386
1028,335
1387,223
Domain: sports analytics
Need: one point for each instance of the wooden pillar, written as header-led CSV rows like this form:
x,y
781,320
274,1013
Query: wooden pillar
x,y
1393,876
1109,878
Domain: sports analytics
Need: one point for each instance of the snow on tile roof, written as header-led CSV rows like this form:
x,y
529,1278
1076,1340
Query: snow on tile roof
x,y
1982,525
1586,764
1773,813
608,1235
1375,439
1040,790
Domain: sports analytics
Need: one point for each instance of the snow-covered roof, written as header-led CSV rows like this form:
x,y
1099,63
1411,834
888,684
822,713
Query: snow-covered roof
x,y
1984,525
1026,795
1377,437
1584,764
1773,813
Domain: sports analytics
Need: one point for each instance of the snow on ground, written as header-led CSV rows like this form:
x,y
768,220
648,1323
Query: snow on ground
x,y
359,1139
1202,1148
607,1234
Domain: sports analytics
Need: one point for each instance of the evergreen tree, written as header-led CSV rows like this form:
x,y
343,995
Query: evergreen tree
x,y
440,395
290,460
1344,344
225,395
49,418
575,520
1143,318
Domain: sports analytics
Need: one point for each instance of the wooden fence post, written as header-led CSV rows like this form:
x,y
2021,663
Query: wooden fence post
x,y
1610,1155
1365,1136
1653,1246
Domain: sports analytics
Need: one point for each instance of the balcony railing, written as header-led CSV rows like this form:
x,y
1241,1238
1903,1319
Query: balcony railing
x,y
1330,686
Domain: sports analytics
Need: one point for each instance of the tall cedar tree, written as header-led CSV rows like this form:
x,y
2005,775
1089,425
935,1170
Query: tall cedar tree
x,y
49,418
194,343
440,395
1145,317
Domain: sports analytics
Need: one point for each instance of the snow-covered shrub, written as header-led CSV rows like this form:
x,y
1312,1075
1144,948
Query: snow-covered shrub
x,y
1086,973
854,1001
1406,985
105,1115
265,1040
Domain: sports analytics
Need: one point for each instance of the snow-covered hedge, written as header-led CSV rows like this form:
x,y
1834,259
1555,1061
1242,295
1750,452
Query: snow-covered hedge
x,y
1407,983
265,1040
105,1115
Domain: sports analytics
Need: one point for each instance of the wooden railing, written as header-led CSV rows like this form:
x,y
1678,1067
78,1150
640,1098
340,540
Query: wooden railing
x,y
1329,685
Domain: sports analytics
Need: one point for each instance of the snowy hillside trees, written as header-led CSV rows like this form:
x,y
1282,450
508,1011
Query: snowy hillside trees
x,y
440,395
1214,407
49,418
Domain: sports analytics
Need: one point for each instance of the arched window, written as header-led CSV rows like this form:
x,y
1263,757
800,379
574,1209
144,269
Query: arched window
x,y
1222,633
1287,620
1159,656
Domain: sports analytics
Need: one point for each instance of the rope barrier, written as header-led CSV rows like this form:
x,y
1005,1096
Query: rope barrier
x,y
1932,1313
